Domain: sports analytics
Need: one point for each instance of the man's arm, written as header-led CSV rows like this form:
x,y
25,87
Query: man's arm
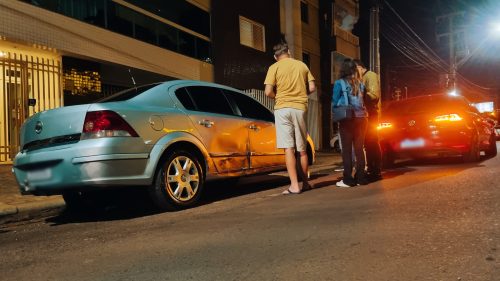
x,y
372,86
312,87
269,91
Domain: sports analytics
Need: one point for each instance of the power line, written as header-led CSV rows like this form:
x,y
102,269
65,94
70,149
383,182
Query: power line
x,y
411,46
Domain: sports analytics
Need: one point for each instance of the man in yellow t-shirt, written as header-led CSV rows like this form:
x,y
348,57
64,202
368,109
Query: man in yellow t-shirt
x,y
289,82
372,103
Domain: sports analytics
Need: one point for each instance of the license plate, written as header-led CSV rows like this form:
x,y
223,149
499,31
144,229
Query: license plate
x,y
38,175
407,143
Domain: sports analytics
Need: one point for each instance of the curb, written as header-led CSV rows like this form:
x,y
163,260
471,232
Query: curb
x,y
29,210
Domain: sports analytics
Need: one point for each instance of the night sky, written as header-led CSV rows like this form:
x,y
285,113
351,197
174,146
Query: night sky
x,y
422,66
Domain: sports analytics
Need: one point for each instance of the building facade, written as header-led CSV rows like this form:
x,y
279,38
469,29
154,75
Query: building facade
x,y
71,52
55,53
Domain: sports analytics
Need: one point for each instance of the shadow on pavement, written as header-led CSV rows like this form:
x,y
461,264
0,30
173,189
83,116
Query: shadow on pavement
x,y
134,203
128,204
125,204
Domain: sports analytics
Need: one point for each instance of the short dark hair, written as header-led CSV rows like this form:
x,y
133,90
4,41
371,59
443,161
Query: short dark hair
x,y
347,68
359,63
280,48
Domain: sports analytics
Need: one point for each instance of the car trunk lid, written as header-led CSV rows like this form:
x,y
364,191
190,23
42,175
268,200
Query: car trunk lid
x,y
53,127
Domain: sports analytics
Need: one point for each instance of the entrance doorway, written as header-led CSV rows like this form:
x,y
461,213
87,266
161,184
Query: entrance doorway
x,y
14,90
23,78
15,116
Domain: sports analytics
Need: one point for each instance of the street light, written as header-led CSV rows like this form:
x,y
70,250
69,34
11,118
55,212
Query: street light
x,y
453,92
495,29
494,32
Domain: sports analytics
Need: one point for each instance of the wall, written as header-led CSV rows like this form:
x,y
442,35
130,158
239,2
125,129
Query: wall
x,y
237,65
23,22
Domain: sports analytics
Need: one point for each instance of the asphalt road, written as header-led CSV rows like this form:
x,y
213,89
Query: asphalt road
x,y
437,220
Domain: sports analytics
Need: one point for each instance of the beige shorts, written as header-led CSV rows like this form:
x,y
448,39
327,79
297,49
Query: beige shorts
x,y
291,129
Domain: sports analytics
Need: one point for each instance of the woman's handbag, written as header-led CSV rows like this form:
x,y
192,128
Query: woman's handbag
x,y
342,112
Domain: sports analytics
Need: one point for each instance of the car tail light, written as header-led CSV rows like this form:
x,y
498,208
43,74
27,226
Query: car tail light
x,y
104,124
448,117
384,125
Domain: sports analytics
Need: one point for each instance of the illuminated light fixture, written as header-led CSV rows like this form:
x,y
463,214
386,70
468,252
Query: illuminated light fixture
x,y
453,93
3,54
448,117
495,29
384,125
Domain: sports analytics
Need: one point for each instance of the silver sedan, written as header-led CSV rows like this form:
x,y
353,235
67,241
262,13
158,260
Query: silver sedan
x,y
170,138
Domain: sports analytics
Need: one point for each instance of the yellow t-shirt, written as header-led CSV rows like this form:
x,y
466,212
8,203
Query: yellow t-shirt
x,y
372,101
290,77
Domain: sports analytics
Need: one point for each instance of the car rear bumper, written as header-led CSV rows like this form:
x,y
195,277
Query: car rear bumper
x,y
423,147
86,165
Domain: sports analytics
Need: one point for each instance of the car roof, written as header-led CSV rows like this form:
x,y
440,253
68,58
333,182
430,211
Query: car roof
x,y
429,103
185,82
133,92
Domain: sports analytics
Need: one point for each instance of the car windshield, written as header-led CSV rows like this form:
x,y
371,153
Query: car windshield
x,y
128,94
426,104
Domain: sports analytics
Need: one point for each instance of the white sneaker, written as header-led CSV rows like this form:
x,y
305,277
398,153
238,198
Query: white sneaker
x,y
342,184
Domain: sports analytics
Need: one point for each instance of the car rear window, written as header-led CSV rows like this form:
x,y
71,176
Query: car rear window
x,y
127,94
426,104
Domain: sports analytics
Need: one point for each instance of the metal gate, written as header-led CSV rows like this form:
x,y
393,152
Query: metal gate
x,y
24,78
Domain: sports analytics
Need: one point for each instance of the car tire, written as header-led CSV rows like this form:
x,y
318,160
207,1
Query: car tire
x,y
336,147
388,159
84,201
474,153
74,200
492,148
178,182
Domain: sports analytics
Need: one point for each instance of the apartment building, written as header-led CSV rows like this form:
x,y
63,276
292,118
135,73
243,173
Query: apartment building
x,y
56,53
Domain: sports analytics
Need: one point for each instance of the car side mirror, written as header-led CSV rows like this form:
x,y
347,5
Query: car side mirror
x,y
31,102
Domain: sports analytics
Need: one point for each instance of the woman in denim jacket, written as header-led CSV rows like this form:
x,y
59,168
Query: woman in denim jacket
x,y
352,131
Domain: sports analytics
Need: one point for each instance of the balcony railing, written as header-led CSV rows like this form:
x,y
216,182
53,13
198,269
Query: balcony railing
x,y
346,35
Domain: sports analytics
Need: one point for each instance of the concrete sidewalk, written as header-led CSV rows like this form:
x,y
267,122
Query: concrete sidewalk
x,y
17,207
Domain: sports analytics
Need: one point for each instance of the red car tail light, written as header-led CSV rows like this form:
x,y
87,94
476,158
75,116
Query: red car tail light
x,y
384,125
448,117
104,124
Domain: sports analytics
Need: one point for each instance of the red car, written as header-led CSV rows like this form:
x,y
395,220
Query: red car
x,y
434,126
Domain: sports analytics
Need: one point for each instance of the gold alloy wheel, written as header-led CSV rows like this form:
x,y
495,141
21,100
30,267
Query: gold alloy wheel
x,y
182,179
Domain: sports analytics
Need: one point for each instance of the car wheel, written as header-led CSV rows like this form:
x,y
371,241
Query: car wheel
x,y
388,159
82,201
309,155
336,147
492,148
474,153
74,200
178,182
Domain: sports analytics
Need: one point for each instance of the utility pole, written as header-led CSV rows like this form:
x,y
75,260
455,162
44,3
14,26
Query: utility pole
x,y
375,37
449,24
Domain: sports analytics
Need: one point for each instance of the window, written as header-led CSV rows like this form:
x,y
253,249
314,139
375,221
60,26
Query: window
x,y
128,94
179,11
252,34
210,99
134,23
184,98
304,12
306,59
250,108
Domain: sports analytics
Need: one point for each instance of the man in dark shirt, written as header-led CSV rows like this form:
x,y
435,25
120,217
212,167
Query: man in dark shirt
x,y
372,103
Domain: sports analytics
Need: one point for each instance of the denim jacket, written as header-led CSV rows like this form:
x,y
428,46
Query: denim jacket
x,y
355,101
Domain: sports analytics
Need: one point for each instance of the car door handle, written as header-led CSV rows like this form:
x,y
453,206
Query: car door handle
x,y
253,127
206,123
